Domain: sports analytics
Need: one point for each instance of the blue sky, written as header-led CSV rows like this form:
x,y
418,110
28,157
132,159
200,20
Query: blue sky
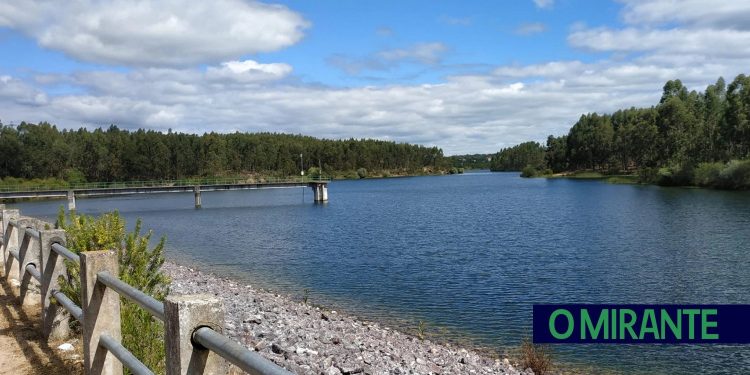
x,y
465,76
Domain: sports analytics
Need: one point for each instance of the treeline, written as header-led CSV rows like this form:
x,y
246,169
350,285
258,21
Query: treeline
x,y
42,150
470,161
689,138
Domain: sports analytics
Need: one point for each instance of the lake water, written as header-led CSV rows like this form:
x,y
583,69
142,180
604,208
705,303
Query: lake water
x,y
469,254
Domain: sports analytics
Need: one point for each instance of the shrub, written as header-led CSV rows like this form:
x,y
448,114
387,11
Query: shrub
x,y
314,172
707,174
528,171
139,267
453,170
736,175
362,173
675,175
536,357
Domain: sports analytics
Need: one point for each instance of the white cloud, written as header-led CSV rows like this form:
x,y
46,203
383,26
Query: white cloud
x,y
420,53
531,28
718,14
717,42
155,33
248,71
465,113
544,4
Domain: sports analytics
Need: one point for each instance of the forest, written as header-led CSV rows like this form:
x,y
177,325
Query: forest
x,y
688,138
42,151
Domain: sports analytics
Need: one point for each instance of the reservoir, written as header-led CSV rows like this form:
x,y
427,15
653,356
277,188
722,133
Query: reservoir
x,y
470,254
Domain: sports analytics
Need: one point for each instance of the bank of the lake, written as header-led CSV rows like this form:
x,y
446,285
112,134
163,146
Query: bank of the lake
x,y
470,254
308,339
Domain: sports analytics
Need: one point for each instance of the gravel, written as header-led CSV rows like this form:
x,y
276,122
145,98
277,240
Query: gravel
x,y
309,340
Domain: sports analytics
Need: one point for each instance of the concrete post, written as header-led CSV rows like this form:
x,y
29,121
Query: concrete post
x,y
10,242
71,200
28,253
101,311
316,192
182,316
197,190
324,192
54,318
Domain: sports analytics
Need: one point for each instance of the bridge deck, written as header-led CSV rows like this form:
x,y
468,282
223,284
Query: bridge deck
x,y
166,187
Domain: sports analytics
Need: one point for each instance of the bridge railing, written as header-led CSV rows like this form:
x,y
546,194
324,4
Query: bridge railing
x,y
161,183
33,254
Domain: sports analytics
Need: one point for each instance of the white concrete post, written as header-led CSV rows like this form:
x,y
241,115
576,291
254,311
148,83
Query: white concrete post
x,y
182,316
28,253
197,190
324,191
101,312
71,200
54,318
10,242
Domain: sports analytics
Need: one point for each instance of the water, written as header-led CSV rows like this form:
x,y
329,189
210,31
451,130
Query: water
x,y
470,254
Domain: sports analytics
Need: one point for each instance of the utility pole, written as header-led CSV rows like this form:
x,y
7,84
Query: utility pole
x,y
301,165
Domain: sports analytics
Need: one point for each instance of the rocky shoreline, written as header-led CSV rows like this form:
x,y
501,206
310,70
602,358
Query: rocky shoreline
x,y
309,340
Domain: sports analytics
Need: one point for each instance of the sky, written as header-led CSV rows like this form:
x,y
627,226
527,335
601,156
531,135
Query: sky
x,y
466,76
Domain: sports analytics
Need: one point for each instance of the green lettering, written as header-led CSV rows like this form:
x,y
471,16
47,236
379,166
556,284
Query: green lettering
x,y
666,320
706,324
648,324
571,324
627,324
601,324
691,313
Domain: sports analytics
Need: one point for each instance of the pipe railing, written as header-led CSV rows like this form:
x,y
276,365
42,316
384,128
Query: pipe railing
x,y
199,335
124,356
148,303
250,362
65,253
69,305
31,269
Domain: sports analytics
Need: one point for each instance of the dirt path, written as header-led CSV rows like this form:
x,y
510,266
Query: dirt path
x,y
22,348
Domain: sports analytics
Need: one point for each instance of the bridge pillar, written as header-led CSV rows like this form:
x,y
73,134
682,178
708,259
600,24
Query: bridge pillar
x,y
71,200
320,191
197,190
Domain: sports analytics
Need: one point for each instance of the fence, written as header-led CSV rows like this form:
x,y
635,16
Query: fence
x,y
34,255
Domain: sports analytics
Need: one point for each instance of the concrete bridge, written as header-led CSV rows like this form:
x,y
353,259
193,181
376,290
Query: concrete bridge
x,y
319,187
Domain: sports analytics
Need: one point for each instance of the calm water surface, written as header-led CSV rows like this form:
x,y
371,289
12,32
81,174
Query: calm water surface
x,y
469,254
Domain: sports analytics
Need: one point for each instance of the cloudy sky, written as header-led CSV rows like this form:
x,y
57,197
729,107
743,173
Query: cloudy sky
x,y
465,76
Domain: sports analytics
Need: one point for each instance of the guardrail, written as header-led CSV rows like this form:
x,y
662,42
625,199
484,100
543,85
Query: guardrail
x,y
161,183
193,324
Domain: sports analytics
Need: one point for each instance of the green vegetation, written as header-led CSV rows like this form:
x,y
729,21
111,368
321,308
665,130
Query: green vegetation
x,y
473,161
139,267
43,151
536,357
516,158
689,139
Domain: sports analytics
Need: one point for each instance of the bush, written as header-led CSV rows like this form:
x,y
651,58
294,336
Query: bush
x,y
314,172
675,176
362,173
736,175
139,267
453,170
707,174
529,171
536,357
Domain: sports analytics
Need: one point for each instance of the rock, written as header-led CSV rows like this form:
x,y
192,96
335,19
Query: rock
x,y
253,319
66,347
277,349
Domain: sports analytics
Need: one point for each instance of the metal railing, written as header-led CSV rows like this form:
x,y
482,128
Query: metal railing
x,y
160,183
32,249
